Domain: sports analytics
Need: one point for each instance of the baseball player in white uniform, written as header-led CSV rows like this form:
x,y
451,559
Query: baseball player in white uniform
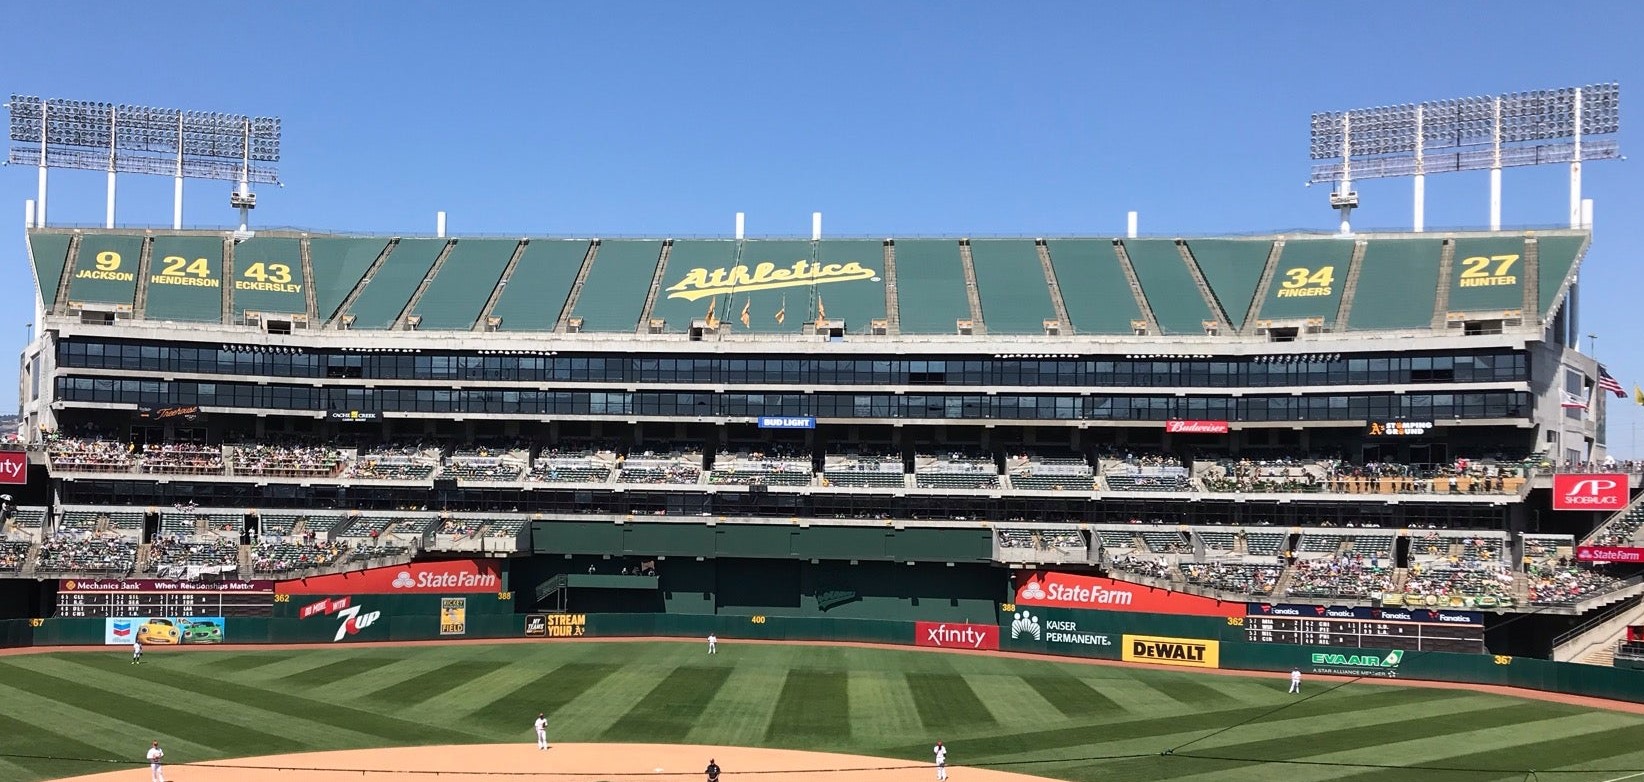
x,y
155,755
713,644
136,652
542,731
1295,680
941,761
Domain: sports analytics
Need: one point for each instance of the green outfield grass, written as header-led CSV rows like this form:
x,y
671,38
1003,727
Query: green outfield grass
x,y
884,702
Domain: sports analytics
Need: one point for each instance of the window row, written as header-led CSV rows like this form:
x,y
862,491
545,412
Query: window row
x,y
1250,372
1323,407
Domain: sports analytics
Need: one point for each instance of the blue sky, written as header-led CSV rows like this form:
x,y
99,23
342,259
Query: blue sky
x,y
890,118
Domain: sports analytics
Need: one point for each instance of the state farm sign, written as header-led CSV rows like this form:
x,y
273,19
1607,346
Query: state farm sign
x,y
1609,554
1176,426
1603,491
14,467
453,576
949,635
1068,590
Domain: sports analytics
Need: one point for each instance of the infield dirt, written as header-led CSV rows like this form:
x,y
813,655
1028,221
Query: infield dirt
x,y
560,763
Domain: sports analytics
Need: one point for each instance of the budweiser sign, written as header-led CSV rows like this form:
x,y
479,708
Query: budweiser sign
x,y
1609,554
1177,426
1600,491
1069,590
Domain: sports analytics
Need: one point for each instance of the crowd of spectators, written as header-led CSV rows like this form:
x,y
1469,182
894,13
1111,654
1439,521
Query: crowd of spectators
x,y
290,556
1151,567
89,454
1621,531
287,460
1243,578
659,467
1264,475
1464,476
1041,540
165,555
1563,582
182,458
102,553
13,555
1444,583
1344,575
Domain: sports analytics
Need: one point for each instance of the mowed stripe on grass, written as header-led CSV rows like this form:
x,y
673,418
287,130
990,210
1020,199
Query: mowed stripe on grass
x,y
945,700
669,711
419,688
814,706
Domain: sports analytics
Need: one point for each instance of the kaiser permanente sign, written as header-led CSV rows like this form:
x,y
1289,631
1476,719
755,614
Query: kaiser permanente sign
x,y
1069,590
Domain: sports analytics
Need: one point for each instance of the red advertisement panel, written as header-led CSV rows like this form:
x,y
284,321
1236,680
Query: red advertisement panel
x,y
1067,590
1176,426
14,467
956,635
1609,554
451,576
1599,491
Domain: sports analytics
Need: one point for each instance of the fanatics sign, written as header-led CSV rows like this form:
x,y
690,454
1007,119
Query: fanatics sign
x,y
1067,590
453,576
1599,491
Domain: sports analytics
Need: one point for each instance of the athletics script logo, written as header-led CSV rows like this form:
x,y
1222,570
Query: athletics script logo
x,y
701,283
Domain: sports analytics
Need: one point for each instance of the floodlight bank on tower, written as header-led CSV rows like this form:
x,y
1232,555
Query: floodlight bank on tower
x,y
1540,127
117,138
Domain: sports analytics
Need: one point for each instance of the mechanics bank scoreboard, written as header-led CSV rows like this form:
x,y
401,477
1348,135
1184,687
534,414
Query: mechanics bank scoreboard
x,y
1415,629
115,597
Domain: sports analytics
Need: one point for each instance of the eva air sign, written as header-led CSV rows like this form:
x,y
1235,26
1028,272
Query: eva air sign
x,y
1358,664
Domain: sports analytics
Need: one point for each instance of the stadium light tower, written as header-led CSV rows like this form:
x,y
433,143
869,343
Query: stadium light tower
x,y
1566,125
117,138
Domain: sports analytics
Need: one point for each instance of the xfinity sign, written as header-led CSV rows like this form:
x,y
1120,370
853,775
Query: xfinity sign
x,y
956,635
14,467
1601,492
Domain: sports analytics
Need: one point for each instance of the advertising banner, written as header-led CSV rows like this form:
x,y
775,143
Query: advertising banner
x,y
1177,426
1061,629
351,619
451,576
1599,491
1609,554
787,422
1351,662
1304,611
160,585
536,625
453,616
163,631
564,625
14,467
956,635
1068,590
1186,652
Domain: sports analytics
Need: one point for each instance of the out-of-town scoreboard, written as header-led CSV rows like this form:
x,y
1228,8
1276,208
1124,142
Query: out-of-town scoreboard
x,y
1365,628
114,597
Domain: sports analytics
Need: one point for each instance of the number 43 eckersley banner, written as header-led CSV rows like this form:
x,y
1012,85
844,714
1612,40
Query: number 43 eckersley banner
x,y
1068,590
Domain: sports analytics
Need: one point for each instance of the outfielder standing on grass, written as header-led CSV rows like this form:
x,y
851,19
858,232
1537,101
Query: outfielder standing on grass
x,y
542,731
941,761
136,652
1295,680
155,754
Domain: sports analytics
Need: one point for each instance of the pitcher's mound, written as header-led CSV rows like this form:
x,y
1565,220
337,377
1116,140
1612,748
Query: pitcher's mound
x,y
561,763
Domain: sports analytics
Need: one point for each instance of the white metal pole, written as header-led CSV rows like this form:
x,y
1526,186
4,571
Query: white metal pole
x,y
1587,213
28,213
40,201
1495,171
741,222
1575,165
1346,171
1132,223
1420,195
816,226
177,183
245,179
439,224
113,119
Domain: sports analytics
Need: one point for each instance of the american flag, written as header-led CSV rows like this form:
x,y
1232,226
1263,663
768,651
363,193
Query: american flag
x,y
1608,383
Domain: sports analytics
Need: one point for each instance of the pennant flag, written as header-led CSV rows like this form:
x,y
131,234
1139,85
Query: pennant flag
x,y
821,311
782,315
1571,401
1608,383
746,303
1638,395
713,321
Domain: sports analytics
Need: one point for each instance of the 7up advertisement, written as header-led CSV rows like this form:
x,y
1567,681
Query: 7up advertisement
x,y
1358,663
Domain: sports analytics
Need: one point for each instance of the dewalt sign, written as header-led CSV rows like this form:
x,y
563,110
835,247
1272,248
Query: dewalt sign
x,y
1186,652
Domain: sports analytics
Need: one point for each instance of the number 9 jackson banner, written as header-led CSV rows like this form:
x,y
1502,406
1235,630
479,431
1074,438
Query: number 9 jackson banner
x,y
1069,590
